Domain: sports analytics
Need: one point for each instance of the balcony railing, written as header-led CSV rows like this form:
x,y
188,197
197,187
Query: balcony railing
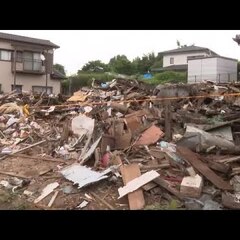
x,y
29,66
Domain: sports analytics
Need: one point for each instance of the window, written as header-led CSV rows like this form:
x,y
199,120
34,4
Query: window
x,y
32,61
5,55
18,88
40,89
19,57
171,60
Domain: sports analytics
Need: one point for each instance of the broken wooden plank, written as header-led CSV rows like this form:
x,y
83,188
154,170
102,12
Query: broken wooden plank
x,y
138,182
195,160
45,171
228,160
168,120
46,191
219,167
39,158
23,149
136,198
161,182
53,198
103,201
85,155
158,166
149,186
14,175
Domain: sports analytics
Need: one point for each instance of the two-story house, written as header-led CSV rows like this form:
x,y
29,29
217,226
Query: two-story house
x,y
26,64
200,64
177,59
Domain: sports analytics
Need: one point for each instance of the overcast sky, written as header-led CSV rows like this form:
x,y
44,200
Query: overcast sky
x,y
77,47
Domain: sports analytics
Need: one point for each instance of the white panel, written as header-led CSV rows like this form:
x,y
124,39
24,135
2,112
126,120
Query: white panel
x,y
201,69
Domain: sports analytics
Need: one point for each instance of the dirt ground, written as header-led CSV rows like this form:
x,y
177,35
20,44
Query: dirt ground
x,y
41,173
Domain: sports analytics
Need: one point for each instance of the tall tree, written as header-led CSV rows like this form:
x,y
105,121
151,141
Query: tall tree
x,y
59,68
145,63
121,64
95,66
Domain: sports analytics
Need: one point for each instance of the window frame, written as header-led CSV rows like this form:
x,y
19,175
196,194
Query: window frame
x,y
6,50
43,87
171,60
32,60
17,85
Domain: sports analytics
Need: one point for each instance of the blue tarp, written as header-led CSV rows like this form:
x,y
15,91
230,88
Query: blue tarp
x,y
147,76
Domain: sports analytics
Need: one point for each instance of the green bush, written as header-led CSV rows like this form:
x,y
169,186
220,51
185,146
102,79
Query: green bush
x,y
84,79
171,76
167,77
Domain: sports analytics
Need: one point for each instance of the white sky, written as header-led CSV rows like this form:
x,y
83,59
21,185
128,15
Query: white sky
x,y
77,47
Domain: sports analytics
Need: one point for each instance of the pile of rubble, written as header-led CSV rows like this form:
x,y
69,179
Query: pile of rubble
x,y
173,146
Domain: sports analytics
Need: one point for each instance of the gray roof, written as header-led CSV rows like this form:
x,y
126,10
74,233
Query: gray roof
x,y
188,49
58,75
218,56
17,38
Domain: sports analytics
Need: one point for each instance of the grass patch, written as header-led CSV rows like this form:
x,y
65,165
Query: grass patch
x,y
173,205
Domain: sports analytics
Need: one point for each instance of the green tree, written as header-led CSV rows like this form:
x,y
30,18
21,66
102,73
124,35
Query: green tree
x,y
59,68
145,63
94,66
121,64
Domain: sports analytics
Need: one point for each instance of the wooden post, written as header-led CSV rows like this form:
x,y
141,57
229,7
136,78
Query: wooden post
x,y
168,120
15,65
46,70
70,86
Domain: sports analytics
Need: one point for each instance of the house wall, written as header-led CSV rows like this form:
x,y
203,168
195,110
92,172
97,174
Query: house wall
x,y
180,58
6,45
26,80
213,69
202,69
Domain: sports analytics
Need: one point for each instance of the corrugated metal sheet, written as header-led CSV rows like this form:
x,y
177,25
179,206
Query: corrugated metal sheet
x,y
82,175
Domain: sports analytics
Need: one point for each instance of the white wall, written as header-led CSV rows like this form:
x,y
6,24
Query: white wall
x,y
227,69
202,69
213,69
180,58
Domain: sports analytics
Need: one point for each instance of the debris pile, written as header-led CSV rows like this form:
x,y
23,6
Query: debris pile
x,y
124,145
